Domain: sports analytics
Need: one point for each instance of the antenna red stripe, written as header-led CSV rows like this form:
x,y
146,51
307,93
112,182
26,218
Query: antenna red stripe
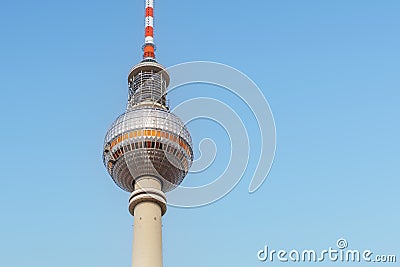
x,y
149,12
149,31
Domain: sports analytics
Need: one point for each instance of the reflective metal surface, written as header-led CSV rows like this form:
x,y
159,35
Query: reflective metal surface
x,y
148,141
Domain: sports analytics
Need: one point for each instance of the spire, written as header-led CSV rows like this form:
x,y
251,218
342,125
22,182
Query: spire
x,y
149,46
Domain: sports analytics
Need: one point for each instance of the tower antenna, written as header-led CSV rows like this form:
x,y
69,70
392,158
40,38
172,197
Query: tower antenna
x,y
149,46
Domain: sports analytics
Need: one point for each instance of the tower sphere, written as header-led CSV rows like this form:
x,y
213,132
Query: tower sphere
x,y
148,139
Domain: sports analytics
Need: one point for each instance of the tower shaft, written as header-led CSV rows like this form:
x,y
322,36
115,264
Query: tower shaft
x,y
147,241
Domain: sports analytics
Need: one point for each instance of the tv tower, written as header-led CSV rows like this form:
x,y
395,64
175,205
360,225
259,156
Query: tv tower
x,y
147,150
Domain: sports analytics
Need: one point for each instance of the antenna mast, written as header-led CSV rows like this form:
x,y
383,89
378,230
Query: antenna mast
x,y
149,46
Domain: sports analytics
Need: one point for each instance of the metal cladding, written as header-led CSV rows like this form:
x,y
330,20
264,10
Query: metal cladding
x,y
149,47
148,140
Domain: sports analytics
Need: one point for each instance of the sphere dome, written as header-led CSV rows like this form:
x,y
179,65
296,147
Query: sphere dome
x,y
148,140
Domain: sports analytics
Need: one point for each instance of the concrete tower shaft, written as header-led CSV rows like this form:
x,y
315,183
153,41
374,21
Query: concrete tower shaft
x,y
147,205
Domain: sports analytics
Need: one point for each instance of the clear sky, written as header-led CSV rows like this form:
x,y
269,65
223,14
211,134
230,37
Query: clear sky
x,y
329,70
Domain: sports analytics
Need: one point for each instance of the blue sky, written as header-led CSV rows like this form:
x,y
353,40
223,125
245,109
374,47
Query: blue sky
x,y
329,69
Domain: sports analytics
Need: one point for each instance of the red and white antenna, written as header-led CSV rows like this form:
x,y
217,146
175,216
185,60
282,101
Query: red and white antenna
x,y
149,46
